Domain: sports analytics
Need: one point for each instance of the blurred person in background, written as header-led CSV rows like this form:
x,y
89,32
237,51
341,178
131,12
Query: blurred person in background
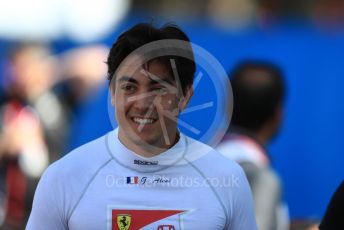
x,y
328,14
82,74
81,83
258,93
32,129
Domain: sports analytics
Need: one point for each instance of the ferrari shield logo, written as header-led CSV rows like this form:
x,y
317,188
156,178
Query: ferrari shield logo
x,y
123,221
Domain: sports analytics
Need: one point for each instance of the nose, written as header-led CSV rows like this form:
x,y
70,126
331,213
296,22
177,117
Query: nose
x,y
143,101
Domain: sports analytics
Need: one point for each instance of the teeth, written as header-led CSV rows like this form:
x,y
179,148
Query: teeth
x,y
143,121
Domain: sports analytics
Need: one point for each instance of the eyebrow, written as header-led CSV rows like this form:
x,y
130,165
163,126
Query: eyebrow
x,y
162,81
166,81
127,78
153,80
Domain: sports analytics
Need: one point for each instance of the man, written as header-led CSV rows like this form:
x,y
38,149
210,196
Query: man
x,y
258,92
145,174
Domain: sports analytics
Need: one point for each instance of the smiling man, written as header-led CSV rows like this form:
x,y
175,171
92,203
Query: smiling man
x,y
145,174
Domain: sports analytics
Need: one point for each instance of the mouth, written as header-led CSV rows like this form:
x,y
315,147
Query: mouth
x,y
143,121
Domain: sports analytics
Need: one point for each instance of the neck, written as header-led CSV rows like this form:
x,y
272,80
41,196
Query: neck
x,y
145,149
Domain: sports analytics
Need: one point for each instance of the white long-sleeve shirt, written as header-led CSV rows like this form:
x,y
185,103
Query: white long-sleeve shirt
x,y
104,185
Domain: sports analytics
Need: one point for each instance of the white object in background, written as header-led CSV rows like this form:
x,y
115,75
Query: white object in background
x,y
81,20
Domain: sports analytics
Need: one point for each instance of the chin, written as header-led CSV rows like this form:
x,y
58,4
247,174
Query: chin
x,y
147,140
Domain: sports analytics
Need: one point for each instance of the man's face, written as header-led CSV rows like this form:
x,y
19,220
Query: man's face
x,y
147,103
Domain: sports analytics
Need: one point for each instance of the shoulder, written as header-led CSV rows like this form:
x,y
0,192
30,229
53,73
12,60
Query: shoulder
x,y
261,176
210,160
227,180
69,176
85,157
79,165
243,150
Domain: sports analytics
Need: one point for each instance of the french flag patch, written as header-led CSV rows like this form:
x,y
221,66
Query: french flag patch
x,y
132,180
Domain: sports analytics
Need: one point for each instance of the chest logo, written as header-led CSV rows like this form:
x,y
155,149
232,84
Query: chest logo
x,y
123,221
131,219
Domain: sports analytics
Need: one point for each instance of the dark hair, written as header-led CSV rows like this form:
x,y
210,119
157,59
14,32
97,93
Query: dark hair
x,y
144,33
258,89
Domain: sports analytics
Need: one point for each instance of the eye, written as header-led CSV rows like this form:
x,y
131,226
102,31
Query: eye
x,y
160,90
128,88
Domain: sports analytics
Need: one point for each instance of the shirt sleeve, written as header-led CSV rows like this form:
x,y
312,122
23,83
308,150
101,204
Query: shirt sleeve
x,y
242,211
47,212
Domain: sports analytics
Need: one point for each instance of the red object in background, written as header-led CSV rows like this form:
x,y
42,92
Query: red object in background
x,y
16,182
16,185
11,111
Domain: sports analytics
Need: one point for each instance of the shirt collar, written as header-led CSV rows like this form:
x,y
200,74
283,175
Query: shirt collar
x,y
129,159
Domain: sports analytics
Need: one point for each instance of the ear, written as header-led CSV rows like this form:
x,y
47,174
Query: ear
x,y
185,101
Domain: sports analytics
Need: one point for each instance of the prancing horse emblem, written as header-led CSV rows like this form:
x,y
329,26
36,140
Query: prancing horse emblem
x,y
123,221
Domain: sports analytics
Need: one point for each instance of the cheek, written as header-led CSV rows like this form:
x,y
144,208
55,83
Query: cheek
x,y
169,103
121,103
